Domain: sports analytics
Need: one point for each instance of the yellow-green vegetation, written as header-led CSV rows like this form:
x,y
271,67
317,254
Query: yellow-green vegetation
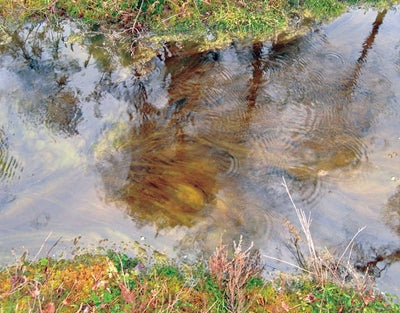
x,y
228,282
182,19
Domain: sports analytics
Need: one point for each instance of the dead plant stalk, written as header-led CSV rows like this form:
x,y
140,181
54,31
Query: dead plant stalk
x,y
305,225
232,274
324,267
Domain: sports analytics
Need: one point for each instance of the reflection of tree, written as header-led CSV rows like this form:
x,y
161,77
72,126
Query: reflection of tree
x,y
369,41
63,112
334,140
381,259
367,45
384,257
9,166
171,176
257,73
169,181
46,75
198,125
45,78
228,126
181,160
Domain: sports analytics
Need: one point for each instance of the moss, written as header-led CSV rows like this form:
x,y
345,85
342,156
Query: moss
x,y
217,21
93,282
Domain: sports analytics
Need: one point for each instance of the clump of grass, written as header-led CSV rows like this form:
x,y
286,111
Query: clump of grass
x,y
323,265
332,275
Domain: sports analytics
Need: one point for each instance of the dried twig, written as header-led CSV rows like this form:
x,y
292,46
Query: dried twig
x,y
348,246
323,265
41,248
233,273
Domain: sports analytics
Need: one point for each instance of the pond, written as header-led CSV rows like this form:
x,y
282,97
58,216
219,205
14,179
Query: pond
x,y
176,150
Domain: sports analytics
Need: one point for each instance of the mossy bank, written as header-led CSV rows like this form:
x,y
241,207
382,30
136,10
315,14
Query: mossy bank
x,y
113,282
215,21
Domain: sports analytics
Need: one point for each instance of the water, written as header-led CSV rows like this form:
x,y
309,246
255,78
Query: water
x,y
190,145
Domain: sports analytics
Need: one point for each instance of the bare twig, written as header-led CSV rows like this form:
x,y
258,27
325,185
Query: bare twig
x,y
209,309
289,263
305,225
137,16
53,246
41,248
348,246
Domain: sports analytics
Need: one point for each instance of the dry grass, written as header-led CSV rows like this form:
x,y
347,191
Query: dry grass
x,y
322,264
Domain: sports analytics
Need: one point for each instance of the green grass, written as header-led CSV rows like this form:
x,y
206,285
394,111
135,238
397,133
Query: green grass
x,y
114,282
183,19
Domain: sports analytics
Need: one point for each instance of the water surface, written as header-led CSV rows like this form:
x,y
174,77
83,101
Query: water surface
x,y
192,145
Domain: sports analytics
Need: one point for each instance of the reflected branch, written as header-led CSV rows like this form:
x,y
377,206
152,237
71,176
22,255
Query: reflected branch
x,y
367,45
257,74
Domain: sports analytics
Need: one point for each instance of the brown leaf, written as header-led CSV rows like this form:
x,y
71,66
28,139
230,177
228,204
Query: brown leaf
x,y
285,306
126,294
50,308
99,283
35,293
261,301
66,302
310,298
367,299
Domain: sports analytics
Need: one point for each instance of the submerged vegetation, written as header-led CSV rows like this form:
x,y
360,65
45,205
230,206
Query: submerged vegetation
x,y
215,20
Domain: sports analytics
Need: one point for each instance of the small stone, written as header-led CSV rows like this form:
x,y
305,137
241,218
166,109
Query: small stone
x,y
322,173
393,178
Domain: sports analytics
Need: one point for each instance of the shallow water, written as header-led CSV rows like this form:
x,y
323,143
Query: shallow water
x,y
192,145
